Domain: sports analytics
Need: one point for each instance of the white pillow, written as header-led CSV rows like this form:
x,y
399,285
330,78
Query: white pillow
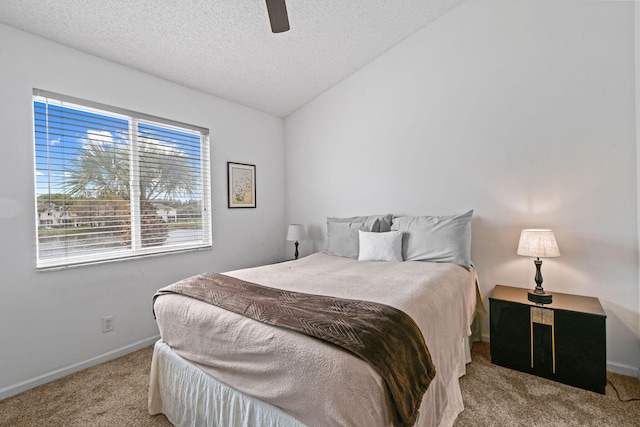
x,y
380,246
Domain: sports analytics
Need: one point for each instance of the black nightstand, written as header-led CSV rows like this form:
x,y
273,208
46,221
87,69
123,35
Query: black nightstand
x,y
564,341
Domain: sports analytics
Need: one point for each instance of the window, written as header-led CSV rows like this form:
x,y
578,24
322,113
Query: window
x,y
113,184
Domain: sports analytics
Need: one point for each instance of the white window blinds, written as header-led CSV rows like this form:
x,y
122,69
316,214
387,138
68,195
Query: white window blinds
x,y
113,184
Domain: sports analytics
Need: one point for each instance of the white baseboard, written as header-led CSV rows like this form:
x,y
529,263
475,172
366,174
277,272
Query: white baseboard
x,y
14,389
618,368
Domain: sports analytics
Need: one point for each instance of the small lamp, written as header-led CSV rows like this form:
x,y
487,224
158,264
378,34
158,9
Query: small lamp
x,y
295,233
538,243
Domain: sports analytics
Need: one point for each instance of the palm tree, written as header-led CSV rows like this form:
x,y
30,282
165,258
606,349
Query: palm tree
x,y
103,168
165,172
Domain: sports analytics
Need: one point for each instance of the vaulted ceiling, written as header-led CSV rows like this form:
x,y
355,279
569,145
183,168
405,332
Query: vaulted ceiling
x,y
226,47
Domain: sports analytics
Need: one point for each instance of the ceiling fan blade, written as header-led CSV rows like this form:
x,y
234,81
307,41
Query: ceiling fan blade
x,y
278,15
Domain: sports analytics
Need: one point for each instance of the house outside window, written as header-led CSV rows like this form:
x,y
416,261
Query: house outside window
x,y
113,184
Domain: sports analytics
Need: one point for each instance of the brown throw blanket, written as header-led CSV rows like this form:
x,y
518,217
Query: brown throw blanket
x,y
385,337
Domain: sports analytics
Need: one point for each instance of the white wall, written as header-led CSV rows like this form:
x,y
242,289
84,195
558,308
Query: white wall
x,y
522,110
50,321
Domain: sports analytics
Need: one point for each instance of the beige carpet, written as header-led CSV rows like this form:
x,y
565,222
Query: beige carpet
x,y
115,394
112,394
496,396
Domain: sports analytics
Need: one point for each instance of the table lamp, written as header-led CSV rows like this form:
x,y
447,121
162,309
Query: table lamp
x,y
295,233
539,244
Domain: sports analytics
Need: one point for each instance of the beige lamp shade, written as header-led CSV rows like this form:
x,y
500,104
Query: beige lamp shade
x,y
538,243
296,232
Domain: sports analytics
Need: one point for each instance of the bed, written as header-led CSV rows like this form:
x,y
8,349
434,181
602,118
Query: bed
x,y
215,367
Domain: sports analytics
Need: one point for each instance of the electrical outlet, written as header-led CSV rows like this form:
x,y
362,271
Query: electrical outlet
x,y
107,323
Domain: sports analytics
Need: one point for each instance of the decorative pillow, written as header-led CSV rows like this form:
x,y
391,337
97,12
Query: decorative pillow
x,y
342,233
385,246
436,238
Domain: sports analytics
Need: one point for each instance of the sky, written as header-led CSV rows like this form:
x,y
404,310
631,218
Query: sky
x,y
63,132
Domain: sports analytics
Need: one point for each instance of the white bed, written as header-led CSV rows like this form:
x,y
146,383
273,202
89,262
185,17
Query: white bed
x,y
215,367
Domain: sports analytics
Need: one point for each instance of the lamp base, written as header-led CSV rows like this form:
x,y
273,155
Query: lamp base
x,y
540,298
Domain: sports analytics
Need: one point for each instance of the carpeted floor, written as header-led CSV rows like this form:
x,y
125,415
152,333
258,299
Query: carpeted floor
x,y
496,396
115,394
111,394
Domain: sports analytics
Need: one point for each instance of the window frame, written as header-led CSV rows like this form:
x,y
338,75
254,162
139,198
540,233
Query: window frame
x,y
136,250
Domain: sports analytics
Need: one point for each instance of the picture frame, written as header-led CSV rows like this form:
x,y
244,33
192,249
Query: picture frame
x,y
241,185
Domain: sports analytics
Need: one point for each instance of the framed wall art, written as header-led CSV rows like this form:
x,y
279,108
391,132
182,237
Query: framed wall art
x,y
241,180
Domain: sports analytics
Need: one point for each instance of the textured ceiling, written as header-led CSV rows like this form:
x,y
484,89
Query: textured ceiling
x,y
225,47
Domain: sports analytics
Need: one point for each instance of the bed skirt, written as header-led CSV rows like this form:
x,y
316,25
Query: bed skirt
x,y
189,396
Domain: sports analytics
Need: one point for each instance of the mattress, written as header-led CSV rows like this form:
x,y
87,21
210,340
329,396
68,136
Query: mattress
x,y
313,382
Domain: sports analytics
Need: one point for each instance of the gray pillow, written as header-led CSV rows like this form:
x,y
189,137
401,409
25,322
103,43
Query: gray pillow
x,y
436,238
384,222
342,233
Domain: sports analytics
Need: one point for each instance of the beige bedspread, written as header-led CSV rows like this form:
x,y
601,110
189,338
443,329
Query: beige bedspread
x,y
315,382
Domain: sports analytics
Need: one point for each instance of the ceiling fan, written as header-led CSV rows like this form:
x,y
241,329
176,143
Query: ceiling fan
x,y
278,15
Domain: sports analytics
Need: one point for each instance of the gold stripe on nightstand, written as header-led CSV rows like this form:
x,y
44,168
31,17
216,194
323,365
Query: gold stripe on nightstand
x,y
544,316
